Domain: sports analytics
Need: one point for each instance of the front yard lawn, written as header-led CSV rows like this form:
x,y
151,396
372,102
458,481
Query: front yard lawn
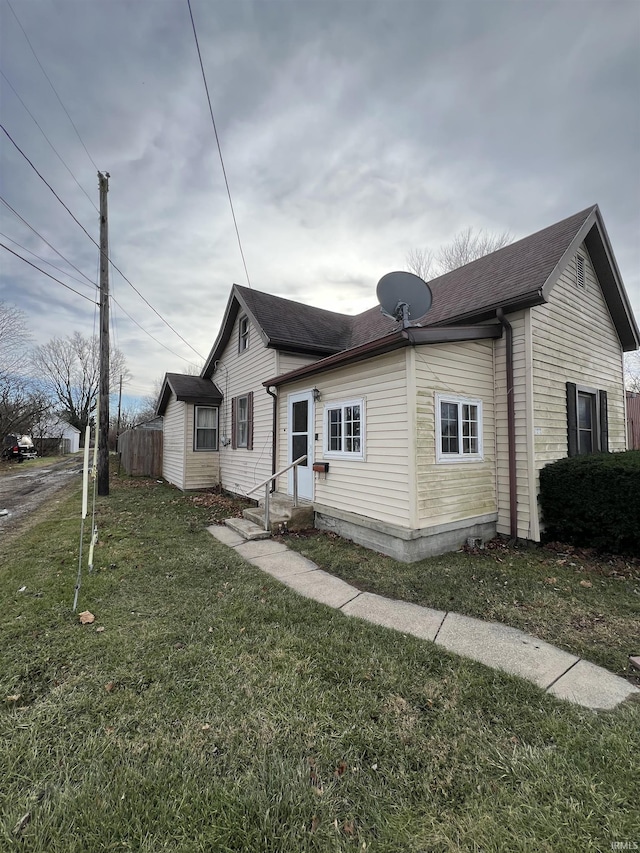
x,y
209,708
572,598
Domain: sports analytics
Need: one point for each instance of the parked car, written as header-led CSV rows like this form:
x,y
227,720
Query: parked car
x,y
26,445
11,449
18,448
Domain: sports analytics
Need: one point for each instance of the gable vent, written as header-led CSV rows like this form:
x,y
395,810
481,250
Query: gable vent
x,y
580,271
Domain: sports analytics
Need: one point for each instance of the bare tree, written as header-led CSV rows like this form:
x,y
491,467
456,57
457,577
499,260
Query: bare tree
x,y
422,262
70,368
21,401
467,245
632,371
14,338
21,405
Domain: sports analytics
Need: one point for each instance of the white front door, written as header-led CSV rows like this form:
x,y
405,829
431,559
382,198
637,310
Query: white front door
x,y
300,441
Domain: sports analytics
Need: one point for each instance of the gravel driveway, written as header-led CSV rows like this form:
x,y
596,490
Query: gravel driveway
x,y
26,493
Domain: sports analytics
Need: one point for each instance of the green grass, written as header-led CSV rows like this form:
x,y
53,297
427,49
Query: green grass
x,y
218,711
572,598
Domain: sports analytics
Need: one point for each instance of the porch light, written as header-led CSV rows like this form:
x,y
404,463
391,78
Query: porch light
x,y
316,394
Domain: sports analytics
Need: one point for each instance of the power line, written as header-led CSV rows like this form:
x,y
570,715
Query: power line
x,y
37,233
144,299
45,261
155,311
213,121
48,274
113,299
44,180
52,86
51,145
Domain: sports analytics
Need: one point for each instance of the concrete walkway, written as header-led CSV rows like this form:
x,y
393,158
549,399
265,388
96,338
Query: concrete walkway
x,y
559,673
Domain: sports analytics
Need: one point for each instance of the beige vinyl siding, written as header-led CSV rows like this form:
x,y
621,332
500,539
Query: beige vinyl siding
x,y
376,487
574,340
454,490
236,374
521,383
287,361
202,467
173,452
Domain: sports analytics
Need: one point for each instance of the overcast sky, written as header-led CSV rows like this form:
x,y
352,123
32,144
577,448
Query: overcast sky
x,y
351,131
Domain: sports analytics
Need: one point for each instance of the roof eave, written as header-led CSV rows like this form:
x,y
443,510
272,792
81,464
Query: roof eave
x,y
163,397
340,359
298,347
488,312
601,253
199,399
452,334
413,336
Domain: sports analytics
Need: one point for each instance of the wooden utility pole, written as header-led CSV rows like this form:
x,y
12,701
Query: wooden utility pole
x,y
103,410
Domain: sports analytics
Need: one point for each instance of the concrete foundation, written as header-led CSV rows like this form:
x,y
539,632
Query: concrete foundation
x,y
401,543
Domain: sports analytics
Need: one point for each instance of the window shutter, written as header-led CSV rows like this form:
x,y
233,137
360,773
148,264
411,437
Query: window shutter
x,y
250,420
604,421
234,440
572,419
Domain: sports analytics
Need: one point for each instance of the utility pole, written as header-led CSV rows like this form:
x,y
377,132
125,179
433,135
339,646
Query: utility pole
x,y
103,410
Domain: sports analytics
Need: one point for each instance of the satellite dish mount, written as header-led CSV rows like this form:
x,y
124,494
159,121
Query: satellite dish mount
x,y
403,296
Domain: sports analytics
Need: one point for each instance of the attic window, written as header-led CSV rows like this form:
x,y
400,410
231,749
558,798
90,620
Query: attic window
x,y
580,280
243,334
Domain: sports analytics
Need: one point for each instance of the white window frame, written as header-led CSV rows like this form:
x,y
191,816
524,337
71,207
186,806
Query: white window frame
x,y
243,333
197,449
460,456
344,454
240,422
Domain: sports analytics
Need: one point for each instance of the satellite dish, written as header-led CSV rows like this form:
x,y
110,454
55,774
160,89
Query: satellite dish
x,y
403,296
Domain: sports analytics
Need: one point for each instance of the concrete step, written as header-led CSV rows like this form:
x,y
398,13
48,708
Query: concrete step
x,y
282,515
247,529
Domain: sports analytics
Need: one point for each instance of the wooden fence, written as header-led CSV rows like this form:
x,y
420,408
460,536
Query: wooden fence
x,y
633,421
141,452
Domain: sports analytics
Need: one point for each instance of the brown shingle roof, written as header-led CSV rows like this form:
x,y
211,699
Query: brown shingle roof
x,y
296,326
510,275
190,389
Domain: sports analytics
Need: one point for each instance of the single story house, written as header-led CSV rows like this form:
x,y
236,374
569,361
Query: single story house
x,y
417,438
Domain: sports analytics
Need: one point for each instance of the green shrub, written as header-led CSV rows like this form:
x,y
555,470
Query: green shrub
x,y
593,501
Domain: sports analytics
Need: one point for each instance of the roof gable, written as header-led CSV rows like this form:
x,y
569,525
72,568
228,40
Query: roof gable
x,y
283,324
523,273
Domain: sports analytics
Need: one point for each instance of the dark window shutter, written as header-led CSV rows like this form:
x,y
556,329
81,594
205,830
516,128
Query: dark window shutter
x,y
234,439
604,421
572,418
250,420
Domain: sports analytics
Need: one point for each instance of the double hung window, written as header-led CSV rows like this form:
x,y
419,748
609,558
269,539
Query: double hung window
x,y
243,334
242,421
205,428
344,429
458,429
587,420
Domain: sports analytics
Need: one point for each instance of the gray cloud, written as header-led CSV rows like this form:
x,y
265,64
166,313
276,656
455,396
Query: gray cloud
x,y
352,131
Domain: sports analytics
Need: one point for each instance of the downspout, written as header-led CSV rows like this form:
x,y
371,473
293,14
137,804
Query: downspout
x,y
511,427
274,434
